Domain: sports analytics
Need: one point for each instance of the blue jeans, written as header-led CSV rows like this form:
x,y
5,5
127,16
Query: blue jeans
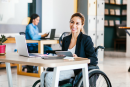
x,y
34,49
47,48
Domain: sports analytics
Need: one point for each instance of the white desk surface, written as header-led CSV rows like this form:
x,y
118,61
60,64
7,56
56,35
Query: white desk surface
x,y
37,61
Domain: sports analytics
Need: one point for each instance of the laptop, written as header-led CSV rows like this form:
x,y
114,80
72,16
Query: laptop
x,y
52,35
22,47
23,51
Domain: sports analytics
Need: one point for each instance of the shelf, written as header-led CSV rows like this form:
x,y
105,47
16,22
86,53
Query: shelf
x,y
116,4
3,65
116,15
110,26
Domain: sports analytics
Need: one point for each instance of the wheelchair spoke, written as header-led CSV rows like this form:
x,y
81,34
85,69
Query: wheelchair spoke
x,y
103,84
100,80
97,80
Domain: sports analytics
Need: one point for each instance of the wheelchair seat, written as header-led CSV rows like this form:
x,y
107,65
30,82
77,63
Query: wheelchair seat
x,y
90,67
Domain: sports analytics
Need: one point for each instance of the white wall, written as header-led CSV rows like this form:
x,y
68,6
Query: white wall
x,y
128,25
14,11
56,14
63,9
47,15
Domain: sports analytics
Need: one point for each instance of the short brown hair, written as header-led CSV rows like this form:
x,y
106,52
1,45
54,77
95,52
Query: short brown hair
x,y
82,19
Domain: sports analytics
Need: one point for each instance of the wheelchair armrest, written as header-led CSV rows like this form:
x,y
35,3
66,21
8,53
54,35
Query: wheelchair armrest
x,y
99,47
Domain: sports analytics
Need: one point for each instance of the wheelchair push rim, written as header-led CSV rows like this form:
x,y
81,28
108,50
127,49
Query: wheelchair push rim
x,y
97,78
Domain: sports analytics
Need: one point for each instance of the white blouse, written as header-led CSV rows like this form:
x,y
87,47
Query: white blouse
x,y
72,50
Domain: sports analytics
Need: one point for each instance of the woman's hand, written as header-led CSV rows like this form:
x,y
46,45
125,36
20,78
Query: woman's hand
x,y
74,55
45,35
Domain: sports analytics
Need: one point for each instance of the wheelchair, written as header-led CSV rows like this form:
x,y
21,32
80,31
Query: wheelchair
x,y
97,78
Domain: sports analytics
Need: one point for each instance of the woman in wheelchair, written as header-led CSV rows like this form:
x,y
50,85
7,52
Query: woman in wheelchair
x,y
81,45
78,43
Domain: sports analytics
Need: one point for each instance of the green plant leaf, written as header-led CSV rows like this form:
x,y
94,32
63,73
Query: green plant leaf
x,y
2,39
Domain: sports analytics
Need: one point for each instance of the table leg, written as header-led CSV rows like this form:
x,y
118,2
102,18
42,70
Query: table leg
x,y
41,51
85,76
40,47
56,77
57,70
9,74
40,70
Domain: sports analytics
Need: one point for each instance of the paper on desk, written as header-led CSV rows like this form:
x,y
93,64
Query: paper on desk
x,y
69,58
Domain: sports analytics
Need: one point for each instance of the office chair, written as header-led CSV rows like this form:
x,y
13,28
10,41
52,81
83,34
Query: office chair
x,y
60,42
120,33
22,33
120,36
62,36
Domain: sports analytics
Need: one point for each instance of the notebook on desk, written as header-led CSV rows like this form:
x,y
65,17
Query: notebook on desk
x,y
22,47
52,57
60,55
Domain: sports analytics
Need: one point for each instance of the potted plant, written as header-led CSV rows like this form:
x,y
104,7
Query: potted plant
x,y
2,46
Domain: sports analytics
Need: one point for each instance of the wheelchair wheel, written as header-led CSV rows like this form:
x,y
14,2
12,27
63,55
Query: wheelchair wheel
x,y
37,83
97,78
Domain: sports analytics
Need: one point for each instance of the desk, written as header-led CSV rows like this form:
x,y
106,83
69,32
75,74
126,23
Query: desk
x,y
124,27
59,64
41,44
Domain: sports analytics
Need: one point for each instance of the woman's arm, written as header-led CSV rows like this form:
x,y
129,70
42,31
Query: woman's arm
x,y
44,35
32,33
90,51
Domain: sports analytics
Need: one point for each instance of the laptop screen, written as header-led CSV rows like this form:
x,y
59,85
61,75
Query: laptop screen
x,y
52,36
21,45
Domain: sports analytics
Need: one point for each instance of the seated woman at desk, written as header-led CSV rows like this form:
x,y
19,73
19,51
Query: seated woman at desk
x,y
79,44
32,34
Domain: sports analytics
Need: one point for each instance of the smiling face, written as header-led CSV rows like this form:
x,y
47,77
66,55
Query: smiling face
x,y
36,21
76,24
